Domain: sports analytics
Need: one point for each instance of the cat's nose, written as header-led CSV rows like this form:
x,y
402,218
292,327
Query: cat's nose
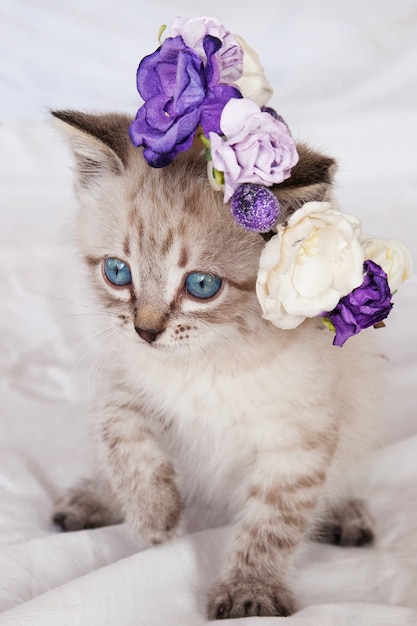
x,y
148,334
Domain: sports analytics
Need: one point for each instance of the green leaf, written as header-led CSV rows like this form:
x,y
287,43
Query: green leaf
x,y
328,323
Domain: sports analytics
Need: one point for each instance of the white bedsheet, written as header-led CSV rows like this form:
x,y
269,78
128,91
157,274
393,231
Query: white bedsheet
x,y
345,79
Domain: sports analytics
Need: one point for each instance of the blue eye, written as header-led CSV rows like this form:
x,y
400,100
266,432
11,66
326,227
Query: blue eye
x,y
202,285
117,272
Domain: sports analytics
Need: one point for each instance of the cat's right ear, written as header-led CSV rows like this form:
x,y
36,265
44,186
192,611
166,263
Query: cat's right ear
x,y
311,180
100,143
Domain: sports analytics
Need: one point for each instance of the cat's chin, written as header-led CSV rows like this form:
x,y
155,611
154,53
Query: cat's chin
x,y
165,348
154,347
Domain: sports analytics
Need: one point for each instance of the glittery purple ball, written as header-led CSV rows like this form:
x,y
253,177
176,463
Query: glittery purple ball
x,y
255,207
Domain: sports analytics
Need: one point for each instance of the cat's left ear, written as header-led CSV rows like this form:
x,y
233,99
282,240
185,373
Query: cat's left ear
x,y
100,143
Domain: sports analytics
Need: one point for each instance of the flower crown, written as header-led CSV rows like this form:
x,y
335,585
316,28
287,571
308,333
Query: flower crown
x,y
204,82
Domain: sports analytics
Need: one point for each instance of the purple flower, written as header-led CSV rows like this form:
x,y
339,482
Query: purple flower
x,y
193,31
365,306
180,93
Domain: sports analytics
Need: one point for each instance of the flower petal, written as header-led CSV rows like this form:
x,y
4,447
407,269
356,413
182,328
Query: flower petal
x,y
365,306
264,150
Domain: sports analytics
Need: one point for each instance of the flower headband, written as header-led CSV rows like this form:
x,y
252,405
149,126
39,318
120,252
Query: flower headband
x,y
204,82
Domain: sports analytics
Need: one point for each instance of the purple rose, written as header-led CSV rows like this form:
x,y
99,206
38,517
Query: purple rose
x,y
180,93
193,31
365,306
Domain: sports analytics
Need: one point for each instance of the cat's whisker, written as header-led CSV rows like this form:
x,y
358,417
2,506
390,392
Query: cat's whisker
x,y
71,344
188,366
223,337
77,334
101,361
98,334
59,299
94,378
69,318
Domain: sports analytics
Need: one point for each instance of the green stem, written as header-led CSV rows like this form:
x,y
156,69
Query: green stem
x,y
161,32
204,140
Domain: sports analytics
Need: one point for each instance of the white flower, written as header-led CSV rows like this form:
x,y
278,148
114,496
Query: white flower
x,y
253,84
310,264
392,255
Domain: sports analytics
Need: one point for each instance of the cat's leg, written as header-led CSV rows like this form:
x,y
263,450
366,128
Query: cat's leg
x,y
140,474
347,523
281,498
89,504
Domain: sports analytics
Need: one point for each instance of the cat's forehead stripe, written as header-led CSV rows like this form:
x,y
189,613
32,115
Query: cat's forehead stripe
x,y
183,260
167,243
126,246
137,224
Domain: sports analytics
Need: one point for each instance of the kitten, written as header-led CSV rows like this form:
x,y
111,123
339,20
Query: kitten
x,y
206,400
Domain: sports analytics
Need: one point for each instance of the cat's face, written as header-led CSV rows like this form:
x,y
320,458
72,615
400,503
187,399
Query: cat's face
x,y
169,262
167,258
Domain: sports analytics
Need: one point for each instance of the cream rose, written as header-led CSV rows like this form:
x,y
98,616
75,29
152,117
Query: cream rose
x,y
310,264
392,255
253,84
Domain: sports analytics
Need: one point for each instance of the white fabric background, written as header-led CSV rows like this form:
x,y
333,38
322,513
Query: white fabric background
x,y
345,79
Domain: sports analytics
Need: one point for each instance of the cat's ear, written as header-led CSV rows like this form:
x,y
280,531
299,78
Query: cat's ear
x,y
100,143
311,180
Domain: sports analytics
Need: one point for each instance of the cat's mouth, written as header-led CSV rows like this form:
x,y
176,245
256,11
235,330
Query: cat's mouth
x,y
164,338
155,340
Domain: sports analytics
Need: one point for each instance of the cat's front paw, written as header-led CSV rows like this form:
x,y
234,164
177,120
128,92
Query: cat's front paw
x,y
248,598
350,524
158,507
86,506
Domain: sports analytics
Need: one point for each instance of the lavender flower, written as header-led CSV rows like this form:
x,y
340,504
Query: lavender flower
x,y
180,93
365,306
194,30
256,149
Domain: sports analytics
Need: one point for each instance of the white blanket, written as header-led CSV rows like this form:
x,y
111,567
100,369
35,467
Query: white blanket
x,y
345,79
